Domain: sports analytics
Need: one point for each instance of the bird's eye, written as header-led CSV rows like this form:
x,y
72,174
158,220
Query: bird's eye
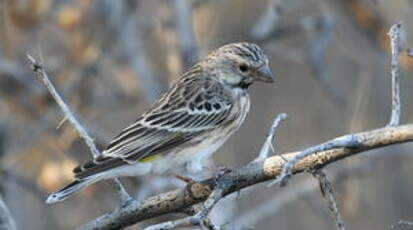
x,y
243,68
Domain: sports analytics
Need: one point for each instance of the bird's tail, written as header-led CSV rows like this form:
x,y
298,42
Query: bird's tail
x,y
71,189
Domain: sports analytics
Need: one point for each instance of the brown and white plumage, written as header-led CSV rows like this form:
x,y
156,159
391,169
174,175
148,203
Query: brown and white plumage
x,y
194,118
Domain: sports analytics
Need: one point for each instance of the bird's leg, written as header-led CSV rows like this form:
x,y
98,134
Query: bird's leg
x,y
222,169
185,179
220,172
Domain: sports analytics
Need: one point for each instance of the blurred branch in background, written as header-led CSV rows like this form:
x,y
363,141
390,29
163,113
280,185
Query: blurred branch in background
x,y
18,74
123,21
267,23
134,49
185,33
11,177
319,30
6,220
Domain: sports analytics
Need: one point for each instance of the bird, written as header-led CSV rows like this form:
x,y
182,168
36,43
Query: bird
x,y
205,106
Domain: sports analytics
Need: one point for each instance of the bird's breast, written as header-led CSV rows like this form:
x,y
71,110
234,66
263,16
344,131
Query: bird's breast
x,y
241,106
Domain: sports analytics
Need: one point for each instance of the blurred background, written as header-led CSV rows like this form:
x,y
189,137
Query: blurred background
x,y
111,59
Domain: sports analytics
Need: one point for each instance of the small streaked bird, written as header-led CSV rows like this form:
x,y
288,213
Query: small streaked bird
x,y
184,127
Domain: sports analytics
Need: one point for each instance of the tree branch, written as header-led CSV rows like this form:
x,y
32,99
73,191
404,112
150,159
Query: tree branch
x,y
41,73
38,68
251,174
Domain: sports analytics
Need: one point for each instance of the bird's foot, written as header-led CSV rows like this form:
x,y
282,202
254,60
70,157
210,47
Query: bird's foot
x,y
217,169
220,172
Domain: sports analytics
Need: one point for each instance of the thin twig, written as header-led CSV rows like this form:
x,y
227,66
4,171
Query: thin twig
x,y
327,192
395,35
207,221
348,141
268,144
6,220
41,73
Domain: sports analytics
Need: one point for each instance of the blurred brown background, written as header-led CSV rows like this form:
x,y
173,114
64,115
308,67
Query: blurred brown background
x,y
111,59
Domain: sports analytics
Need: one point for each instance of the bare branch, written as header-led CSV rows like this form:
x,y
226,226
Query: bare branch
x,y
41,73
347,141
253,173
327,192
6,220
265,149
395,34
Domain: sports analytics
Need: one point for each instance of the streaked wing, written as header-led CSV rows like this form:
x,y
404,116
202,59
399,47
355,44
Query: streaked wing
x,y
196,104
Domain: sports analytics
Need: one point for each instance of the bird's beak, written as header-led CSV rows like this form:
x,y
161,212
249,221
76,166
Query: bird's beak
x,y
265,74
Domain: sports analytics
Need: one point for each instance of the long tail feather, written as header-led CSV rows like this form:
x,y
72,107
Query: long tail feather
x,y
71,189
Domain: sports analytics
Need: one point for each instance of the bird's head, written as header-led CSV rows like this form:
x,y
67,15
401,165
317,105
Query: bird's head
x,y
239,64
